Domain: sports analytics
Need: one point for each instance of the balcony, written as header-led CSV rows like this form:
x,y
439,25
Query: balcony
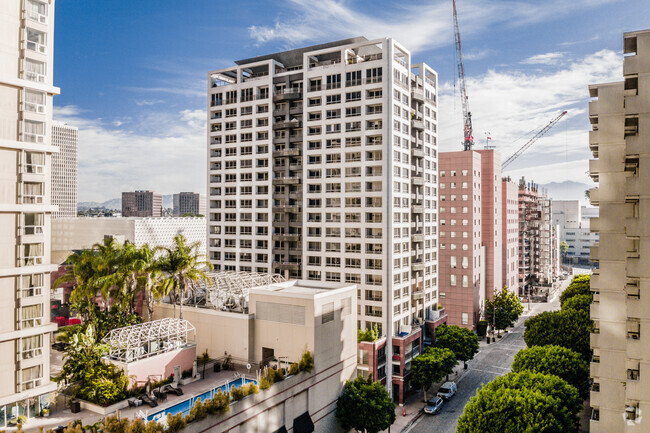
x,y
286,152
593,108
418,94
635,186
288,237
291,266
630,65
287,95
417,208
594,369
417,236
417,151
287,208
288,180
594,339
417,265
417,178
417,124
287,124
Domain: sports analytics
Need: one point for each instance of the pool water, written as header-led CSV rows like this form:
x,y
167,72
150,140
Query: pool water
x,y
185,406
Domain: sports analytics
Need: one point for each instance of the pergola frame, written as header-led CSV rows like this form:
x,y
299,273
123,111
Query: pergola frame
x,y
228,290
147,339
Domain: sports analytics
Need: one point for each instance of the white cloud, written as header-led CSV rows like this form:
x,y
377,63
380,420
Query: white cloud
x,y
544,59
477,54
143,102
160,151
419,25
514,105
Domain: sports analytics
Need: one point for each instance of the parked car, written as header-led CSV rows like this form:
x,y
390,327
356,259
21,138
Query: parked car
x,y
433,406
447,390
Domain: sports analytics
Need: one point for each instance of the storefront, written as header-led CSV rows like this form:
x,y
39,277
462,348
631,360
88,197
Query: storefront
x,y
10,414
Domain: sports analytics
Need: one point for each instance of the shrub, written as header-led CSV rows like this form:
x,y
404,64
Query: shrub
x,y
112,424
220,403
367,334
154,427
278,375
198,412
294,369
237,393
307,361
264,383
175,423
186,373
250,388
136,426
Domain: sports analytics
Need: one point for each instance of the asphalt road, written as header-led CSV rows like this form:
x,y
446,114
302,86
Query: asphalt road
x,y
492,360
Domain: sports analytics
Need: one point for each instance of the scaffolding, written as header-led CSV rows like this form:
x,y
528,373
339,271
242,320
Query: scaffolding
x,y
228,291
144,340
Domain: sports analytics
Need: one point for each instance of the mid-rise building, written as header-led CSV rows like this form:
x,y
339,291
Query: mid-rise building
x,y
470,233
574,222
189,203
64,169
510,235
322,165
26,91
141,204
620,141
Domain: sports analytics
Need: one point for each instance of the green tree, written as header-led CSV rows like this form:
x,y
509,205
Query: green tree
x,y
564,247
578,302
504,309
183,265
579,286
556,360
367,334
524,402
432,366
461,341
150,276
365,406
566,328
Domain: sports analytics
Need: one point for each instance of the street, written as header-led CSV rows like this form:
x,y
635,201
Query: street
x,y
492,360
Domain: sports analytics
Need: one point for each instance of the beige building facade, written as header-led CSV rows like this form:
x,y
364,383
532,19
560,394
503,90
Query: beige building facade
x,y
620,142
64,169
26,91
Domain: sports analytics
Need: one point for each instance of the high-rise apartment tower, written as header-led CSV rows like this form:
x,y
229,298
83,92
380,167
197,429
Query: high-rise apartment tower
x,y
141,204
64,169
322,165
620,142
189,203
26,91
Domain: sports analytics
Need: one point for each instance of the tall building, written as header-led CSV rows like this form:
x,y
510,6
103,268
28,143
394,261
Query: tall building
x,y
470,232
510,235
574,222
620,142
64,169
322,164
141,204
189,202
26,91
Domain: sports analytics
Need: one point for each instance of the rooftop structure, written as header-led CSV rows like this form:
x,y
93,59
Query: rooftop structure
x,y
148,339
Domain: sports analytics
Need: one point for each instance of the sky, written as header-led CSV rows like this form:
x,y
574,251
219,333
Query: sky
x,y
133,74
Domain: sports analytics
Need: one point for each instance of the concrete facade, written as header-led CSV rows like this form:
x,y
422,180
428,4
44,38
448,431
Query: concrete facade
x,y
72,234
64,169
322,161
620,142
141,204
510,235
26,91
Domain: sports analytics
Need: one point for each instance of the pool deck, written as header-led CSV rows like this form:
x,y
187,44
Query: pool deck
x,y
61,417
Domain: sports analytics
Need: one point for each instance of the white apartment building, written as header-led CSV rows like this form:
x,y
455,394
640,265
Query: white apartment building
x,y
620,142
26,91
64,169
574,222
322,165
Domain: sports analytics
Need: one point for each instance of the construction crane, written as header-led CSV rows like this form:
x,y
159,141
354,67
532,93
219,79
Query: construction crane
x,y
468,139
530,142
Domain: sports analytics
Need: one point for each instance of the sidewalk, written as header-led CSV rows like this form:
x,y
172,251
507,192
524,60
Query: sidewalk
x,y
414,404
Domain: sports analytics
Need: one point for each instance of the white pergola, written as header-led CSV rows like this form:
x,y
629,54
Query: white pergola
x,y
147,339
228,290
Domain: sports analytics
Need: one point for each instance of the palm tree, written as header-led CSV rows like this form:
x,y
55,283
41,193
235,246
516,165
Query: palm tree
x,y
150,276
183,265
107,261
80,270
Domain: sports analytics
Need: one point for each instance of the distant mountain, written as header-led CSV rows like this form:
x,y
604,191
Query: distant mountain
x,y
567,190
116,203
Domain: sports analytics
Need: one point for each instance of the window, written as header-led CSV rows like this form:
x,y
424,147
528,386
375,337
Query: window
x,y
31,316
334,82
333,99
464,318
31,377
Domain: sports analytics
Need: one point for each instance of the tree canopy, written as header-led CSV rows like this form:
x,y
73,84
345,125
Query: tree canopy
x,y
365,406
564,247
367,334
556,360
578,302
432,366
579,286
566,328
461,341
504,309
524,402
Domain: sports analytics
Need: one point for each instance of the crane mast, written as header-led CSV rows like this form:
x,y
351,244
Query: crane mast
x,y
530,142
468,139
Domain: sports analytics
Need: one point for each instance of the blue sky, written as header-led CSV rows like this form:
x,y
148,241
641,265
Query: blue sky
x,y
133,74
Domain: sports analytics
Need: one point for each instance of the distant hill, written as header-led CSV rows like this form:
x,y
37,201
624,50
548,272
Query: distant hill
x,y
567,190
116,203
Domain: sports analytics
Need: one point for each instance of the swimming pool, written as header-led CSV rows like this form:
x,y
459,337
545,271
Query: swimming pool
x,y
185,406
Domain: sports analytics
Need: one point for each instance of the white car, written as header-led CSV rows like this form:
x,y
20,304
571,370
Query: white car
x,y
447,390
433,406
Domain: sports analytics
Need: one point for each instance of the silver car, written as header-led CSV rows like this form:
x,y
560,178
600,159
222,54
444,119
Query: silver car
x,y
433,406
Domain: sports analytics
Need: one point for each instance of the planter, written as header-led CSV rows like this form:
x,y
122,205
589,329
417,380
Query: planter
x,y
102,410
75,406
216,368
189,380
46,413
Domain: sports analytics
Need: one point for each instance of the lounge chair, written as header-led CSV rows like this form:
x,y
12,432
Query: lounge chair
x,y
171,389
160,395
148,400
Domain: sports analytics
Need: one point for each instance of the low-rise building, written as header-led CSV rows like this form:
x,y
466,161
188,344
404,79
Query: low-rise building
x,y
141,204
574,222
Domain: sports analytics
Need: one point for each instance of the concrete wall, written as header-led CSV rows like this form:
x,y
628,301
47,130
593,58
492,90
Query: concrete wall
x,y
160,366
510,235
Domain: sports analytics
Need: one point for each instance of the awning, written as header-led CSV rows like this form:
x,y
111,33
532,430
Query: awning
x,y
282,429
303,424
